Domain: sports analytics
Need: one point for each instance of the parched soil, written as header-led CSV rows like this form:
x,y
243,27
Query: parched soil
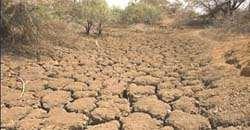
x,y
128,80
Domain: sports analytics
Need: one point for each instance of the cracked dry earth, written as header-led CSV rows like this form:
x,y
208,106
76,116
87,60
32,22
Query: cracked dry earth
x,y
128,80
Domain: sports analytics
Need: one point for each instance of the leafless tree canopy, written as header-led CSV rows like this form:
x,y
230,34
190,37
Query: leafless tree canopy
x,y
213,7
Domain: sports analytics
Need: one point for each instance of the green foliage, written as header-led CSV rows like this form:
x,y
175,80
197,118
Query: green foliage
x,y
19,21
162,4
115,15
91,10
141,13
56,10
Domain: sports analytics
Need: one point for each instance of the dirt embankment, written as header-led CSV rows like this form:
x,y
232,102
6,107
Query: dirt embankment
x,y
239,56
126,80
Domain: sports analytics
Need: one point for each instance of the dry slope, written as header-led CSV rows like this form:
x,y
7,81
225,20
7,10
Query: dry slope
x,y
126,80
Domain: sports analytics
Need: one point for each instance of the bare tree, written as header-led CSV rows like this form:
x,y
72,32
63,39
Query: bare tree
x,y
88,26
249,6
1,22
213,7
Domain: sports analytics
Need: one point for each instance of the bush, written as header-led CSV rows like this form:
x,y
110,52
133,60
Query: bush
x,y
115,15
191,19
141,13
19,22
90,12
55,10
238,23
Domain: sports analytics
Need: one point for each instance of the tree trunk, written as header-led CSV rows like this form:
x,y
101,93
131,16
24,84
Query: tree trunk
x,y
88,27
2,29
249,7
99,28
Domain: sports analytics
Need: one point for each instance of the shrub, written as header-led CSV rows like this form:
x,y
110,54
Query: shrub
x,y
237,23
191,19
141,13
115,15
90,12
19,22
55,10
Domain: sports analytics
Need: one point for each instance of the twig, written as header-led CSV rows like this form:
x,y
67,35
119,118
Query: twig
x,y
96,42
23,86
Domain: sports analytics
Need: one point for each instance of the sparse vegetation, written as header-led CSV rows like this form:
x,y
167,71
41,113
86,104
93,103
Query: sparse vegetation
x,y
19,22
147,66
116,15
219,7
226,15
90,13
141,13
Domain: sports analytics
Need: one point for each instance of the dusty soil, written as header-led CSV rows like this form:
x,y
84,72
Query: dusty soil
x,y
129,79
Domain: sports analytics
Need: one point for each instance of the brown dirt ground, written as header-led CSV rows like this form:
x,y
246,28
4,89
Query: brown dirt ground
x,y
128,79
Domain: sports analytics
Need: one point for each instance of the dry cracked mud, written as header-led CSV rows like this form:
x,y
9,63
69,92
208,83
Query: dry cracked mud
x,y
129,80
